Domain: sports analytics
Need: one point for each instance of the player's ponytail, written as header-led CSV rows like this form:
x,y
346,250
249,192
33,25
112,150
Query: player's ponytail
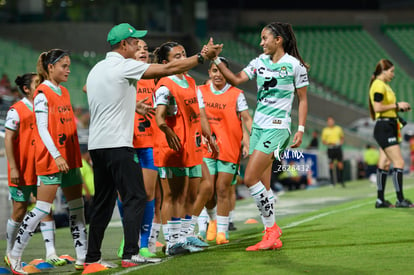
x,y
290,46
161,53
46,58
41,71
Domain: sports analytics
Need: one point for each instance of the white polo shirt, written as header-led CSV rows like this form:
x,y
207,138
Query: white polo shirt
x,y
111,95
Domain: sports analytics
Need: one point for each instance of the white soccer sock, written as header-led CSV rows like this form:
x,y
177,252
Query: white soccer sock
x,y
261,197
78,227
155,231
185,227
166,231
231,216
202,221
212,213
48,233
152,241
271,219
11,231
222,223
28,226
192,225
174,229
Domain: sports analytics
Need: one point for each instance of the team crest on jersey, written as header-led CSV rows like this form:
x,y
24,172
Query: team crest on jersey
x,y
283,72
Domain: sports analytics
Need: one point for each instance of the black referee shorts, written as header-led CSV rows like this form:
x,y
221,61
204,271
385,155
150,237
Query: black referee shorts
x,y
335,153
386,132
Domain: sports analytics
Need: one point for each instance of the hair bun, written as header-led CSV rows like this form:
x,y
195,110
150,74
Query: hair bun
x,y
19,80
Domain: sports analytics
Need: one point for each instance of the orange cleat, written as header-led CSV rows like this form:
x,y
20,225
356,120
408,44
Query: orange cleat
x,y
271,237
212,230
270,240
221,238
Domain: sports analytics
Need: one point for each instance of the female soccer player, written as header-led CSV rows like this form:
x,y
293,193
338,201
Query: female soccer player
x,y
19,144
280,72
57,157
178,151
225,107
384,108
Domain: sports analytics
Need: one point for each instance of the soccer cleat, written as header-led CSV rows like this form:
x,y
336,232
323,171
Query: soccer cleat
x,y
268,240
192,248
144,252
383,204
196,242
254,247
212,230
102,262
121,249
177,249
272,234
138,260
15,265
55,260
221,238
404,204
202,235
277,245
129,263
68,258
232,227
80,264
6,260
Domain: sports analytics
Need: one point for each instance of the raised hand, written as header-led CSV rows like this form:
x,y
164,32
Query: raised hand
x,y
144,108
211,50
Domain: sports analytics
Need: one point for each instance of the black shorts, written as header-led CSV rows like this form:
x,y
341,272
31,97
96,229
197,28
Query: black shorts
x,y
386,132
335,153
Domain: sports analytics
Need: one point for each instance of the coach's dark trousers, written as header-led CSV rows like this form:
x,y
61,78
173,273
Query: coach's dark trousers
x,y
116,169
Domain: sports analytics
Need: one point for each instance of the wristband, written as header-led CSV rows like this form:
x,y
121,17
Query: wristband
x,y
217,61
200,58
396,106
301,128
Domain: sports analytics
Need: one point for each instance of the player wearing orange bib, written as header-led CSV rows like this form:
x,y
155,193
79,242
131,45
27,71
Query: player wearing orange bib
x,y
225,106
178,150
57,157
19,144
143,143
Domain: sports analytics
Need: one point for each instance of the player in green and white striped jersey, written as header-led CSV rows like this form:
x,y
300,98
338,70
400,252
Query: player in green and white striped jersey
x,y
279,72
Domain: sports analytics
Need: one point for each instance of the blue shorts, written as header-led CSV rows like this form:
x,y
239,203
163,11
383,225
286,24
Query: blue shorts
x,y
146,158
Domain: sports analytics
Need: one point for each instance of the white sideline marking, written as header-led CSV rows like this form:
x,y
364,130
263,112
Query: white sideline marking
x,y
294,224
128,270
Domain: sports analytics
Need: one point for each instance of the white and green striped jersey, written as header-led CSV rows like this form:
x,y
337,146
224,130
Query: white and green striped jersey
x,y
276,84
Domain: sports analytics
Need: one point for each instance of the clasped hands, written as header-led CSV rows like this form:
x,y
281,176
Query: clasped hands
x,y
210,50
